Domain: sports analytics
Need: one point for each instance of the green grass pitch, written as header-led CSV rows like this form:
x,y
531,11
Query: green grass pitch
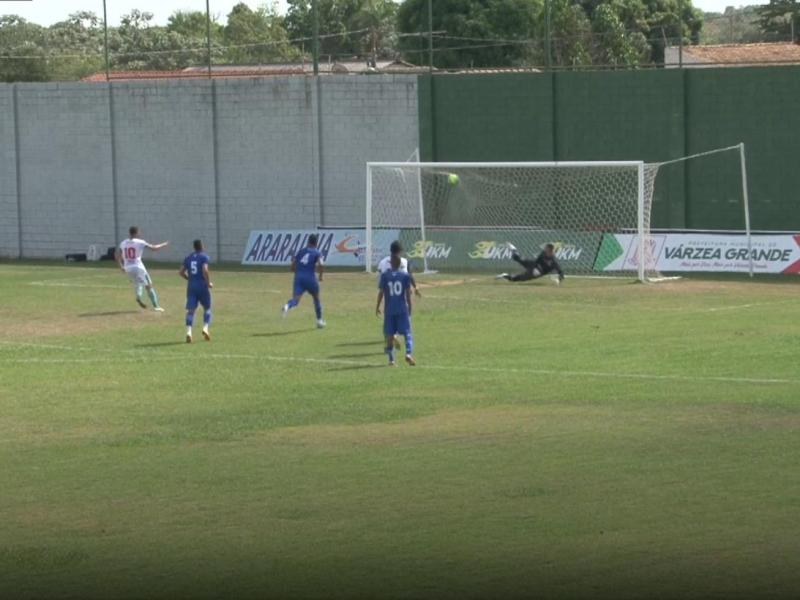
x,y
598,439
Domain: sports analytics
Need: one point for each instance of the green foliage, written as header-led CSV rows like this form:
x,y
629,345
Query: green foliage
x,y
22,50
257,36
475,33
616,33
347,27
779,19
736,26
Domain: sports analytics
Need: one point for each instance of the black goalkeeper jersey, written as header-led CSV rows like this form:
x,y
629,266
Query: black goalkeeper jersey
x,y
547,264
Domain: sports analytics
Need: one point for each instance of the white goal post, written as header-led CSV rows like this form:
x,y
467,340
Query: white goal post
x,y
462,216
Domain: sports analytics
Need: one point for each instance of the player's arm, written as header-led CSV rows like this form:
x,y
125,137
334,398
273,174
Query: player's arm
x,y
293,266
157,246
183,272
378,305
207,275
413,282
320,268
118,258
558,269
408,299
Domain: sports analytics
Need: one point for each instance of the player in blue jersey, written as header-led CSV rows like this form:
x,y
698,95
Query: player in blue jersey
x,y
305,266
395,293
198,291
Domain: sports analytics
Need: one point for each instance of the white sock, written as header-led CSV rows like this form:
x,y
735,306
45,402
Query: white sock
x,y
189,330
205,327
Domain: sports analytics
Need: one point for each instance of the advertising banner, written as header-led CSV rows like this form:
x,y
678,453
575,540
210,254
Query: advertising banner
x,y
701,252
339,247
487,249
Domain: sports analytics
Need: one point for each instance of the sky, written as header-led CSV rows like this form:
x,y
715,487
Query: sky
x,y
47,12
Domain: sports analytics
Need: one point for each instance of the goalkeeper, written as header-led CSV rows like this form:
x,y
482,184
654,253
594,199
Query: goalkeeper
x,y
544,264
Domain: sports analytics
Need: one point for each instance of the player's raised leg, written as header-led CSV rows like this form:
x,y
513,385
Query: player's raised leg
x,y
151,292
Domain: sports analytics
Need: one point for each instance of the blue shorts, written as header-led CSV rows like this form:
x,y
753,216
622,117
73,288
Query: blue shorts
x,y
302,285
393,324
195,296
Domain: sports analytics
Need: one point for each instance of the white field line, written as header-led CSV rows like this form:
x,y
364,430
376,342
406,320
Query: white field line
x,y
139,355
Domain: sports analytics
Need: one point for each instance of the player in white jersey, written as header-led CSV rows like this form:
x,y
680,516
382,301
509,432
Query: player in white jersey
x,y
129,257
396,249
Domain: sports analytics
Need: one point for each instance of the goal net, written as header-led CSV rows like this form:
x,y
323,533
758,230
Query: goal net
x,y
462,216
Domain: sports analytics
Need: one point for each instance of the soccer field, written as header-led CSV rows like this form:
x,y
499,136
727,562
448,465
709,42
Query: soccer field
x,y
598,439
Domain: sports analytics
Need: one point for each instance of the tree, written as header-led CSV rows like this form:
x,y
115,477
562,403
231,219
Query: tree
x,y
779,19
346,27
192,24
472,33
138,44
75,46
257,36
22,53
571,34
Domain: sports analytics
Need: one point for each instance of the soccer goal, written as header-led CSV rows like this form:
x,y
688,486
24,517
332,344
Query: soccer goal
x,y
461,216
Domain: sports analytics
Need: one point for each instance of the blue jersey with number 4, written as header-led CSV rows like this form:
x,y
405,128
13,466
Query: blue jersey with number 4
x,y
194,268
306,261
395,284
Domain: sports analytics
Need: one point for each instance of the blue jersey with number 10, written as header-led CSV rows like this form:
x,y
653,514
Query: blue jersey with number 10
x,y
395,284
306,262
194,268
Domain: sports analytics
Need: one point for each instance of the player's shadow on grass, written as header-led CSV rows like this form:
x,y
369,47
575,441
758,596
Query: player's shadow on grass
x,y
280,333
110,313
377,352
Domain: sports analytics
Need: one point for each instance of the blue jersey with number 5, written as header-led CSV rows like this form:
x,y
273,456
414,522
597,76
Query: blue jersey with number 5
x,y
306,262
395,284
194,268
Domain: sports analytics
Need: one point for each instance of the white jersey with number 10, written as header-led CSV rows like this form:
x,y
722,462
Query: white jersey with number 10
x,y
132,250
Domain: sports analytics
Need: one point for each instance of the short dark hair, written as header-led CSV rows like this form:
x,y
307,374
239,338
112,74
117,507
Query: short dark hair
x,y
133,230
396,247
395,261
312,239
198,245
550,247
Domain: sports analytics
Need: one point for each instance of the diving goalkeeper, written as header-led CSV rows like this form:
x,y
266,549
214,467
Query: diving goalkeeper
x,y
544,264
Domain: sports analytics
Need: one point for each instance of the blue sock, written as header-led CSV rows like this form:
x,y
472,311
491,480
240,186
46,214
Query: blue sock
x,y
207,317
318,308
189,319
409,343
292,303
390,352
153,297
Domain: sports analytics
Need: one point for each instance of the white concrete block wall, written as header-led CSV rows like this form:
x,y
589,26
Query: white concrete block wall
x,y
282,160
65,168
9,237
369,118
164,163
266,154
